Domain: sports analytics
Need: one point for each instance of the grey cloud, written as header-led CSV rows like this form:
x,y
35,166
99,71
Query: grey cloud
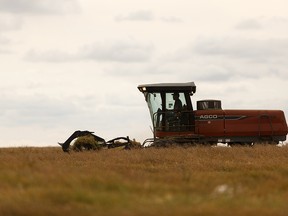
x,y
216,73
4,40
249,24
209,71
142,15
121,51
49,56
44,112
38,6
252,49
38,109
275,24
10,23
4,49
229,59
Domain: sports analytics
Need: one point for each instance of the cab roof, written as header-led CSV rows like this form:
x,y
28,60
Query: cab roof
x,y
168,87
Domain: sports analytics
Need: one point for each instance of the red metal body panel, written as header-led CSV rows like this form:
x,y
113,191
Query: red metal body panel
x,y
240,123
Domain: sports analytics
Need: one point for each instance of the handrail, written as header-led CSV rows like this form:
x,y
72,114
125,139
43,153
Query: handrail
x,y
174,121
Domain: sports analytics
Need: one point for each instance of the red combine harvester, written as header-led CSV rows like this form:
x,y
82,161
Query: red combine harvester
x,y
174,118
175,121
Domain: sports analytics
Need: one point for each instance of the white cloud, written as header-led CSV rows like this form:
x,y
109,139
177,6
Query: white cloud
x,y
81,70
115,51
38,6
171,19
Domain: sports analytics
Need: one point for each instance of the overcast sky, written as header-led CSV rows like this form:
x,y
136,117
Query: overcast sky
x,y
76,64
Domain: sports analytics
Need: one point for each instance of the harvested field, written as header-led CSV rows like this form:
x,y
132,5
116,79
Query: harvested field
x,y
152,181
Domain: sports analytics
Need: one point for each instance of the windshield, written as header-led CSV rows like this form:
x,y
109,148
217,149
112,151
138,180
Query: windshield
x,y
175,101
155,104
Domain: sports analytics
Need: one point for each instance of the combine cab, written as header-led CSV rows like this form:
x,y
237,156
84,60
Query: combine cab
x,y
174,118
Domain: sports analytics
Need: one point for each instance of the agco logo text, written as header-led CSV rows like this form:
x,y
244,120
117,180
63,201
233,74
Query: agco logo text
x,y
208,116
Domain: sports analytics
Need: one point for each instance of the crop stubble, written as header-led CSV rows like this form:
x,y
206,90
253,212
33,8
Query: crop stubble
x,y
152,181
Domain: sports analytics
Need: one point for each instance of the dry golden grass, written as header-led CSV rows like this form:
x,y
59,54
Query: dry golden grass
x,y
152,181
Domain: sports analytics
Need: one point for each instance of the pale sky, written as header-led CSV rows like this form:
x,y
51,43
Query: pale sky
x,y
75,64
